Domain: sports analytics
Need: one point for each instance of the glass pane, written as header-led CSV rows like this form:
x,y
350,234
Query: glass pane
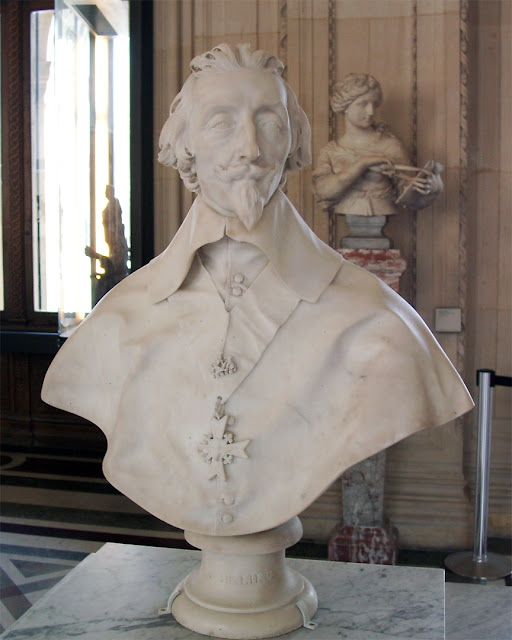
x,y
92,72
45,207
72,89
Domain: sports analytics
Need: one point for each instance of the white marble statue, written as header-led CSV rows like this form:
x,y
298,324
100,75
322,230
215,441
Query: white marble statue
x,y
239,373
246,324
366,171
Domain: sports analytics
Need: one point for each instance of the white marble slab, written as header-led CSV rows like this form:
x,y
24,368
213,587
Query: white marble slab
x,y
478,612
115,593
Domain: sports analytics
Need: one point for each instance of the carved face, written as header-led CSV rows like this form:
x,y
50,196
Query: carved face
x,y
239,134
361,112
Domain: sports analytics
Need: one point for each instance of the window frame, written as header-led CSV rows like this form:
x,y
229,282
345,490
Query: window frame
x,y
19,316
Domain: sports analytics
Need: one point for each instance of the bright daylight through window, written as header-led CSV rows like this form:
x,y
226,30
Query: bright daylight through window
x,y
80,116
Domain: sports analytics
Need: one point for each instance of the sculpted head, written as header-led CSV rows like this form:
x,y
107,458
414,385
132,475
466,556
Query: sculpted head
x,y
235,129
357,96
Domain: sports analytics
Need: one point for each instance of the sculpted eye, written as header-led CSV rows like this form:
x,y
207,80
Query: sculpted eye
x,y
270,124
223,124
220,123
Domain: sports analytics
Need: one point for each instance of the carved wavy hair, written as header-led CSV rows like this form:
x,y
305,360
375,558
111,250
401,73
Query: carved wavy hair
x,y
352,87
174,151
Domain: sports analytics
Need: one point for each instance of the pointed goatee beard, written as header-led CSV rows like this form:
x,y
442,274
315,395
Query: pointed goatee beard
x,y
250,203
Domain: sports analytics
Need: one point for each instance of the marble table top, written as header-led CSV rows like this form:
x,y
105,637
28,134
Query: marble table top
x,y
116,592
478,612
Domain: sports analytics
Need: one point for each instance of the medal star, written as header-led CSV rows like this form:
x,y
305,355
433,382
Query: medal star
x,y
225,366
219,448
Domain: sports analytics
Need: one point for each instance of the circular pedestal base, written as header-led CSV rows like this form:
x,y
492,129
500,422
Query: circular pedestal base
x,y
462,563
245,626
243,588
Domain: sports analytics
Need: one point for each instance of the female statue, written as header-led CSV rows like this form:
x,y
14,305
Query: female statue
x,y
365,172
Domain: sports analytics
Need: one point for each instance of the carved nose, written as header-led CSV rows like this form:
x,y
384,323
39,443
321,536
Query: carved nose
x,y
247,142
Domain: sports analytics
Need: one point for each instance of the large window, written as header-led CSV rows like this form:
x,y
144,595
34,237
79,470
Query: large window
x,y
77,124
44,160
92,88
80,134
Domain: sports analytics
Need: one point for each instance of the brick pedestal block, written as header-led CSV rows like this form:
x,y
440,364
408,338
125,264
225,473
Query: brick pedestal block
x,y
371,545
364,535
386,264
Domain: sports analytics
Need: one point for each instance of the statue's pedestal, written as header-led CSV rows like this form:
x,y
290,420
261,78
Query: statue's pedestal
x,y
386,264
371,545
364,535
365,232
243,588
114,594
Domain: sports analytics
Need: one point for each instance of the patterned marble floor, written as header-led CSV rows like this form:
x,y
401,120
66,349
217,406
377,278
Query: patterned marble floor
x,y
30,565
56,508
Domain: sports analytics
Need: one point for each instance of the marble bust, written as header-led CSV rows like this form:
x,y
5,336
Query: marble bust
x,y
246,329
366,172
245,368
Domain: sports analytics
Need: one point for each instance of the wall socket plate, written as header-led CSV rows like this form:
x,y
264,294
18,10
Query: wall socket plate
x,y
448,320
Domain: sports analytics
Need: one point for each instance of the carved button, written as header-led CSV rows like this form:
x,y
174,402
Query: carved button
x,y
236,291
227,518
228,501
239,278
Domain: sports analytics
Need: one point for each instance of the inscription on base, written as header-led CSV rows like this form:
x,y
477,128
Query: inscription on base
x,y
253,578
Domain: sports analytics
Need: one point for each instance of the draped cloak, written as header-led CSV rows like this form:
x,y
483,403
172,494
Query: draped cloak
x,y
331,367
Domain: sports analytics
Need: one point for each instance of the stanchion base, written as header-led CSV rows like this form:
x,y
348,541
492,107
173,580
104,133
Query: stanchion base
x,y
463,564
